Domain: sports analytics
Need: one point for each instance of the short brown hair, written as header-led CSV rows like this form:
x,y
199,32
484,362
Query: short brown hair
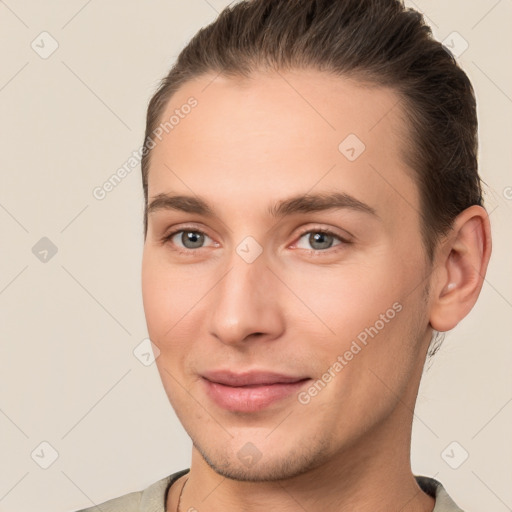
x,y
374,41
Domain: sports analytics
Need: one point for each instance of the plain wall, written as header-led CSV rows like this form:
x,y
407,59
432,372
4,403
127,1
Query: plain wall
x,y
69,325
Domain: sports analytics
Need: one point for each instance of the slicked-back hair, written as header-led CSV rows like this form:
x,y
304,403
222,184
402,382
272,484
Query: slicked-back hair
x,y
376,42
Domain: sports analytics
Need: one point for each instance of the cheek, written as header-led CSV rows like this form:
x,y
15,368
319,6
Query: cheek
x,y
345,300
162,299
359,328
174,300
153,296
360,371
165,292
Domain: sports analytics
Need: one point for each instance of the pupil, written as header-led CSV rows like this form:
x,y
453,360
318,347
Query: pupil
x,y
320,240
192,239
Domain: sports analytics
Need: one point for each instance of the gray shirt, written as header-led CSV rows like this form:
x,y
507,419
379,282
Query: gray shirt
x,y
154,497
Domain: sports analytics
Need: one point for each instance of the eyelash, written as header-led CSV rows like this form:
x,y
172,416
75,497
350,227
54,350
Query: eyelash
x,y
166,239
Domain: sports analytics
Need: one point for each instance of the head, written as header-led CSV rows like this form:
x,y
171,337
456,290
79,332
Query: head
x,y
314,209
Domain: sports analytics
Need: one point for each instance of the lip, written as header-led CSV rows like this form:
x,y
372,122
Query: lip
x,y
250,391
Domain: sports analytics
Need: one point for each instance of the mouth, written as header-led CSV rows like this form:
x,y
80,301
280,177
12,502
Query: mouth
x,y
250,391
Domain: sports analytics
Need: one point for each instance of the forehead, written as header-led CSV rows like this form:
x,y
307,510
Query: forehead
x,y
284,133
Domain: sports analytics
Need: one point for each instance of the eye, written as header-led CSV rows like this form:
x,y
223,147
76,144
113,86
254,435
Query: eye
x,y
319,240
187,239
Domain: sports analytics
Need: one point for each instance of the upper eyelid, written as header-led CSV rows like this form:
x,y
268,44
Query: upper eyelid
x,y
323,230
172,231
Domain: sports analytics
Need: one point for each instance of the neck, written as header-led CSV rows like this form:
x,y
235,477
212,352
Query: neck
x,y
373,474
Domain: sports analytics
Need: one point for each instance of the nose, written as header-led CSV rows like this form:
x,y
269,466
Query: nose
x,y
245,304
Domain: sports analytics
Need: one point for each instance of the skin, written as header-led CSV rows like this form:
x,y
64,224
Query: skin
x,y
249,144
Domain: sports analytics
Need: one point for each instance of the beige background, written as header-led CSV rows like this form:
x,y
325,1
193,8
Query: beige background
x,y
69,326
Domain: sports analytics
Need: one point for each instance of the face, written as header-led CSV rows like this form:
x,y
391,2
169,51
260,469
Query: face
x,y
283,270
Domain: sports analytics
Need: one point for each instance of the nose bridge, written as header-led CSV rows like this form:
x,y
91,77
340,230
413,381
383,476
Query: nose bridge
x,y
242,303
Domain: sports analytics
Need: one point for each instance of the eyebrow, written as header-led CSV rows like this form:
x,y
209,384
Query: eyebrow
x,y
305,203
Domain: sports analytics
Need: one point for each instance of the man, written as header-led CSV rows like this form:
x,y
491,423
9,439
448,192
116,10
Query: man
x,y
313,218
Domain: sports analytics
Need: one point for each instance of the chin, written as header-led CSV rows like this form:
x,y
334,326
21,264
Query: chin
x,y
248,464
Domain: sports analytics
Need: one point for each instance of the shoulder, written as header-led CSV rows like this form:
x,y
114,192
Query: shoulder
x,y
151,499
434,488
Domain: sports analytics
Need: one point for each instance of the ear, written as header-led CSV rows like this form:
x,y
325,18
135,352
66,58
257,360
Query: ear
x,y
460,268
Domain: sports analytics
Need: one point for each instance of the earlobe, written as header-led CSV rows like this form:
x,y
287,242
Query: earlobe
x,y
462,264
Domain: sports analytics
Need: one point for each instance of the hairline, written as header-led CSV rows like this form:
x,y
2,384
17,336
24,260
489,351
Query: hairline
x,y
405,129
